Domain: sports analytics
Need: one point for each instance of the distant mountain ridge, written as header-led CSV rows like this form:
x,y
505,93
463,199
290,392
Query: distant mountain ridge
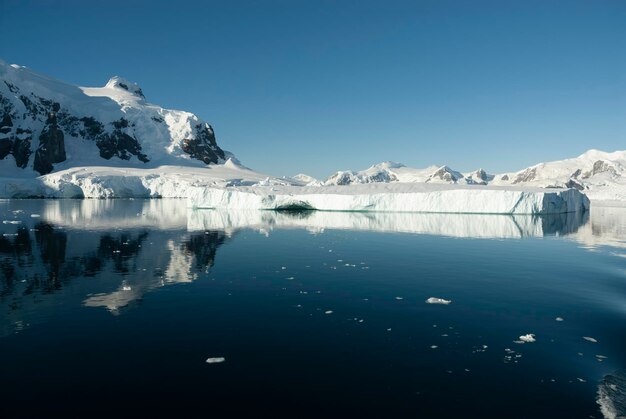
x,y
47,125
600,175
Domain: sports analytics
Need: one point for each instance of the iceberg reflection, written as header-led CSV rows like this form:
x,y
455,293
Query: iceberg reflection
x,y
451,225
110,253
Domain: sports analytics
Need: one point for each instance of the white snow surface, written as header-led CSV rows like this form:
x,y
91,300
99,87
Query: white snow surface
x,y
600,175
395,197
115,182
170,171
159,131
529,338
436,300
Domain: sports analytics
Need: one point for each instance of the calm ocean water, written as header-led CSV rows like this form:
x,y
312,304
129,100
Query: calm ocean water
x,y
112,308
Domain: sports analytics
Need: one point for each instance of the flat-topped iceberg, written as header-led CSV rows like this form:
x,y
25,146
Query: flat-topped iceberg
x,y
396,197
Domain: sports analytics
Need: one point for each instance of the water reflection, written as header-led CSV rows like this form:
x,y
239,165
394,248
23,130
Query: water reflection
x,y
109,253
451,225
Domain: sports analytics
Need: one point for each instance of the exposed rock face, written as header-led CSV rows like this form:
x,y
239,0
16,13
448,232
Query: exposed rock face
x,y
445,174
51,146
118,143
115,118
6,143
526,176
203,146
600,166
21,151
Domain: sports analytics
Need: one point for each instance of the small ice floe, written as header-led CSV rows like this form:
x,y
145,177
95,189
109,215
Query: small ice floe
x,y
9,234
600,358
389,329
291,278
435,300
328,312
126,288
12,222
559,319
581,380
283,267
35,215
17,211
590,339
529,338
399,298
433,346
216,360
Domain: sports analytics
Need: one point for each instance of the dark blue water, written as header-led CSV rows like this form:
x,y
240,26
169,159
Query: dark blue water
x,y
113,308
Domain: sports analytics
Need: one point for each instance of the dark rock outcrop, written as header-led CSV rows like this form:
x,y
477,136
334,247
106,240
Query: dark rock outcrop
x,y
445,174
600,166
21,151
526,176
51,146
43,121
6,125
203,147
119,144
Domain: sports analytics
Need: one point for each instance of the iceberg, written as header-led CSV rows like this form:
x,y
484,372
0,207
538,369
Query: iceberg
x,y
396,197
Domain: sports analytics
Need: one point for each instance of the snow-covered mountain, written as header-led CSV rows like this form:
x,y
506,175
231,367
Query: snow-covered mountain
x,y
47,125
600,175
397,172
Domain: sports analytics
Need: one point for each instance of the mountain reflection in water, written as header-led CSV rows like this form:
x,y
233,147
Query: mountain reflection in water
x,y
48,247
326,294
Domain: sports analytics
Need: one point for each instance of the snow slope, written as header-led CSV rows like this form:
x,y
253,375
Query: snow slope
x,y
399,197
47,125
600,175
114,182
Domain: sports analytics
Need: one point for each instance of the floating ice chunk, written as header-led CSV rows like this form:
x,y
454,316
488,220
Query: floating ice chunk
x,y
35,215
559,319
433,347
12,222
216,360
589,339
435,300
126,288
399,298
328,312
529,338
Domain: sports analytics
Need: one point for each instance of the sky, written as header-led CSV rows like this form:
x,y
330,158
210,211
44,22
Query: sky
x,y
318,86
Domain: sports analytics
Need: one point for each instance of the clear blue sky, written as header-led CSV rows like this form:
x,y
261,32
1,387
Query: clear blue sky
x,y
316,86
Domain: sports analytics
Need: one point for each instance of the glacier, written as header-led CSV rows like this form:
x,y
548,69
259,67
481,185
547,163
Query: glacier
x,y
394,197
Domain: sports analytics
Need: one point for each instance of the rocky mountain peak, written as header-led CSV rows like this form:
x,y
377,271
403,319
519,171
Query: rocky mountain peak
x,y
117,82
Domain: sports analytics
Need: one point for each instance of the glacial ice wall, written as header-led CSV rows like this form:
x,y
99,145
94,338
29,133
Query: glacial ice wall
x,y
394,198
